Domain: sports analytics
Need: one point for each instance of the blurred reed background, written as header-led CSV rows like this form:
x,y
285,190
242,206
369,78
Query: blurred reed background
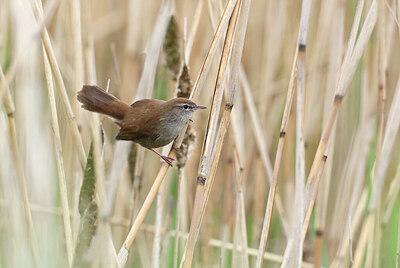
x,y
316,112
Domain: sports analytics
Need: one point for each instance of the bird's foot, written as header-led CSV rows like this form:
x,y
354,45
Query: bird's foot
x,y
167,159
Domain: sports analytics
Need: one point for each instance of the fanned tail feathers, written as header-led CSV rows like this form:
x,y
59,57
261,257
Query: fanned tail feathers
x,y
97,100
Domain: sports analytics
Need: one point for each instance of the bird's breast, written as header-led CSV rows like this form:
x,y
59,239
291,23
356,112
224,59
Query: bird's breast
x,y
170,127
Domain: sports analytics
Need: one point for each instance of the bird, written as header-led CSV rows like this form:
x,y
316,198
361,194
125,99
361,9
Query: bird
x,y
151,123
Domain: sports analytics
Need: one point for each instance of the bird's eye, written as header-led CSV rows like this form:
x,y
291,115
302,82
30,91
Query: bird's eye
x,y
185,106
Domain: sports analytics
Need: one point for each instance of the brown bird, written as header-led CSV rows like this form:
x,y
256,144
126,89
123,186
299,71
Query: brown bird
x,y
151,123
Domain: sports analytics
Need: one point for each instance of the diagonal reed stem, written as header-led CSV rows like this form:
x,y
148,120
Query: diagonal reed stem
x,y
301,47
123,253
204,185
60,85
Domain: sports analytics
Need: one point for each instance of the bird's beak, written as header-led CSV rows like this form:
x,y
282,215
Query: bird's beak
x,y
200,107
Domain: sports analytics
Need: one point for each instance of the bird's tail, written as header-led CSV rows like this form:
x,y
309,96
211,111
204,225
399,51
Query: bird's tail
x,y
97,100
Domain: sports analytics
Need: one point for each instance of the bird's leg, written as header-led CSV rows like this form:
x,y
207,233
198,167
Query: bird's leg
x,y
167,159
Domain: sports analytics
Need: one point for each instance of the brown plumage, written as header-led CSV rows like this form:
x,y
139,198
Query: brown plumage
x,y
151,123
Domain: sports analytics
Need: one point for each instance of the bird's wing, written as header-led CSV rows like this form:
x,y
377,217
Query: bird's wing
x,y
132,134
136,127
145,102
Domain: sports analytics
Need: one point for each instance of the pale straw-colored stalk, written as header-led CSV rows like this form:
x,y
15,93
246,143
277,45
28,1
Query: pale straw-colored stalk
x,y
357,204
300,48
193,31
391,130
155,259
294,250
178,216
10,110
335,52
227,212
60,85
59,160
236,238
351,60
262,146
207,174
268,256
374,242
78,51
104,229
23,49
241,205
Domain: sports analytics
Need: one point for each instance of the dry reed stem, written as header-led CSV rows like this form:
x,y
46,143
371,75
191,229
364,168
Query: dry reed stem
x,y
235,255
205,67
300,48
326,21
272,190
21,53
242,214
203,189
36,208
272,257
158,224
211,129
146,82
294,250
340,90
374,241
313,197
195,25
347,71
10,110
215,243
335,52
343,247
177,218
322,209
389,137
123,253
78,50
227,212
362,241
96,129
262,146
59,160
95,126
391,131
358,200
60,85
349,189
155,259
